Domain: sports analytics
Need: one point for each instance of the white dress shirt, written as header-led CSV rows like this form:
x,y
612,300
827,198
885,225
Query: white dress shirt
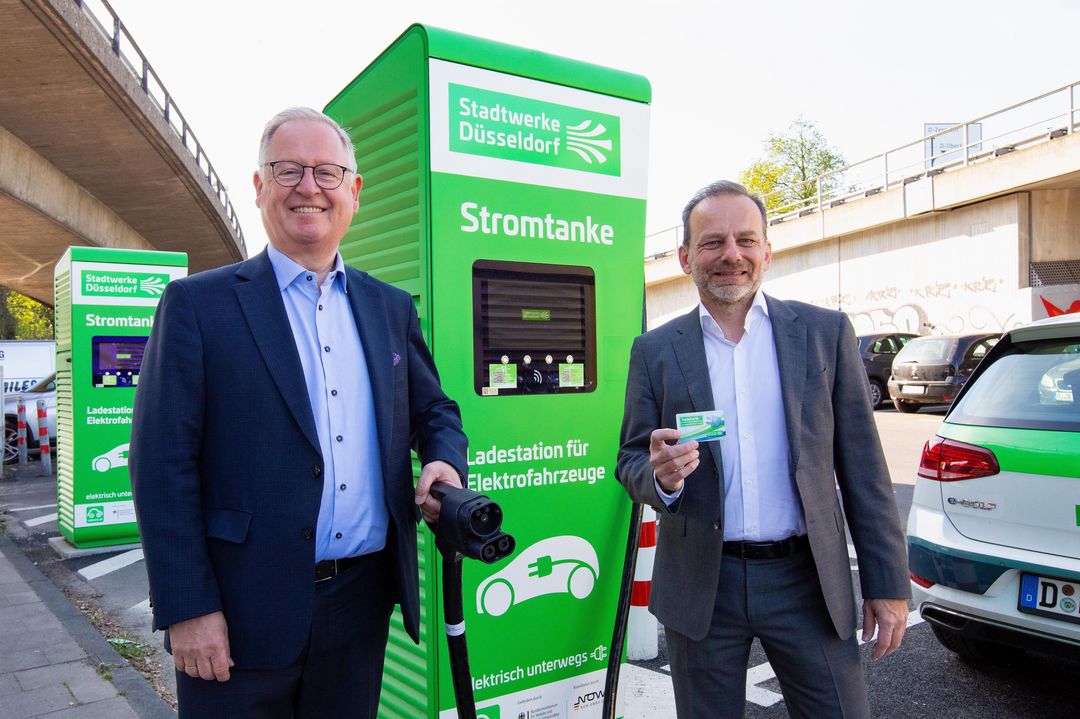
x,y
761,502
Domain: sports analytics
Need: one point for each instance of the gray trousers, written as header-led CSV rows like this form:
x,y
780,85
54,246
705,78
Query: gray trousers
x,y
778,601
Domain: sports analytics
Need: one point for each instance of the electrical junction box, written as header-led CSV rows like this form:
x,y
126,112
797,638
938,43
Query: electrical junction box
x,y
505,190
105,303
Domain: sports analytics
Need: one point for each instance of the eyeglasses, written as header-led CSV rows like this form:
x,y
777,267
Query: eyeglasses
x,y
327,175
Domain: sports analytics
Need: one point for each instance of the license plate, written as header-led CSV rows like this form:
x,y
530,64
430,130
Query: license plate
x,y
1048,597
1063,395
913,389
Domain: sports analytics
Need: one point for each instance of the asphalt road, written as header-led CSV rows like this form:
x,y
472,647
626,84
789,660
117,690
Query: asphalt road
x,y
921,680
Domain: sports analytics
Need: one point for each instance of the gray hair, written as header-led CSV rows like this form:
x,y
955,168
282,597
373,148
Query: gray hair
x,y
721,187
308,115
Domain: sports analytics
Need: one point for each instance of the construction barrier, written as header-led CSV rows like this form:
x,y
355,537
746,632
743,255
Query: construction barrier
x,y
43,438
642,631
21,413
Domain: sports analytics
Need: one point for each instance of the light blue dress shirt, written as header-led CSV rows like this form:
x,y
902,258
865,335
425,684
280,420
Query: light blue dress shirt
x,y
761,501
353,518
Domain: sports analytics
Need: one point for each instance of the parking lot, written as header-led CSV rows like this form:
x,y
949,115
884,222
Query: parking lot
x,y
922,679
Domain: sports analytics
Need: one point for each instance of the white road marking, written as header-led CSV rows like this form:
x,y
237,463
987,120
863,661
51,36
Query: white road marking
x,y
100,569
760,695
142,607
37,506
645,694
43,519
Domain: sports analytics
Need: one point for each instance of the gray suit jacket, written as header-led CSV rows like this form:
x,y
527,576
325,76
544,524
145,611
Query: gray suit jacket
x,y
832,441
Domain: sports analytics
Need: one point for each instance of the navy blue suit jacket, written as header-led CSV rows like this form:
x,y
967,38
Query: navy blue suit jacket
x,y
225,462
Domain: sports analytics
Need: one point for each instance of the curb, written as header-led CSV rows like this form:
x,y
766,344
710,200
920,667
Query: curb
x,y
138,693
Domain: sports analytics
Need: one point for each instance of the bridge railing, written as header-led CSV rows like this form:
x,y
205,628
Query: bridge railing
x,y
127,50
1039,119
1042,118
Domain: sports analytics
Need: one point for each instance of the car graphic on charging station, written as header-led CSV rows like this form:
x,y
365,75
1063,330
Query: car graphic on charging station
x,y
557,565
115,457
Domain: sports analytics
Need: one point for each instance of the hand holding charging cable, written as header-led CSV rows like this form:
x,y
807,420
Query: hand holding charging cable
x,y
469,526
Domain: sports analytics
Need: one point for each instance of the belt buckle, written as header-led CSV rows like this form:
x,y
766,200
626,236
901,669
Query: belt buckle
x,y
331,575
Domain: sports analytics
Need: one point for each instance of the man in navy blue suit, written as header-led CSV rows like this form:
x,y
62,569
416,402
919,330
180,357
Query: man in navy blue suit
x,y
278,402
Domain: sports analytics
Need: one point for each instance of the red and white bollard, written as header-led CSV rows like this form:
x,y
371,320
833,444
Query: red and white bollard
x,y
43,438
21,441
642,628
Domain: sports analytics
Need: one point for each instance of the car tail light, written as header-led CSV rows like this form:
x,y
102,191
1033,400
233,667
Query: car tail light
x,y
921,581
947,460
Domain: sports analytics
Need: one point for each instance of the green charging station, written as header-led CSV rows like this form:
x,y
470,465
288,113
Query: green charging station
x,y
105,302
505,190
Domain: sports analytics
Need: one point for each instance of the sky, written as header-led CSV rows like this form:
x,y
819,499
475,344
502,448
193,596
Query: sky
x,y
724,75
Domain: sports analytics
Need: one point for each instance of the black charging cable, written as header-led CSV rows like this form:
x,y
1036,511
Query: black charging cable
x,y
622,613
469,527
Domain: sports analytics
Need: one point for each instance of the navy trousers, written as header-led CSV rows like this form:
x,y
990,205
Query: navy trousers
x,y
339,674
779,601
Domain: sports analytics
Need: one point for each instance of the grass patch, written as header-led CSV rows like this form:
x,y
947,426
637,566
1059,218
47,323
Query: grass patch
x,y
128,649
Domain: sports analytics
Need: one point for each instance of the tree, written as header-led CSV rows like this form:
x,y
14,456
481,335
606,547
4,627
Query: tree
x,y
24,318
791,158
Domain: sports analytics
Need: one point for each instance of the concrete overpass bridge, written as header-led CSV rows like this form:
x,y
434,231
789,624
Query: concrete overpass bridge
x,y
94,150
974,227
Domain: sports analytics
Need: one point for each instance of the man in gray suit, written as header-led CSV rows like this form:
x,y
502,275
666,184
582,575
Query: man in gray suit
x,y
752,537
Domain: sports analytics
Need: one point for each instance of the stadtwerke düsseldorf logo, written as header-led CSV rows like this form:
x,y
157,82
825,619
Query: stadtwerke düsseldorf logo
x,y
106,283
511,127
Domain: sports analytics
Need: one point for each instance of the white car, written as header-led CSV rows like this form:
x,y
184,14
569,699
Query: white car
x,y
46,390
994,529
556,565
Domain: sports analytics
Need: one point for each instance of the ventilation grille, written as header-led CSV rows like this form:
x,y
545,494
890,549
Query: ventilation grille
x,y
1059,272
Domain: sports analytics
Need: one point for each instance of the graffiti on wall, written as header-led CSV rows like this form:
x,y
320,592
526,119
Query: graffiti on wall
x,y
913,318
906,318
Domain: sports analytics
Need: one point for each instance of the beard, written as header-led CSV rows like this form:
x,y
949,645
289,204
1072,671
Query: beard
x,y
725,294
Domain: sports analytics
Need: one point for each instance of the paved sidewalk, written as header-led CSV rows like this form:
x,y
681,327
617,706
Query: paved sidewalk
x,y
53,662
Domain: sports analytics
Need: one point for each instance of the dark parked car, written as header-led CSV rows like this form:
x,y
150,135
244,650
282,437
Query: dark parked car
x,y
877,353
932,370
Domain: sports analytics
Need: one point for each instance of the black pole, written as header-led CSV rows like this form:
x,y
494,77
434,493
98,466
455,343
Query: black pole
x,y
455,636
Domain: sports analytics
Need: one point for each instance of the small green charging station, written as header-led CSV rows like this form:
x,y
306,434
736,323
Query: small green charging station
x,y
505,190
105,302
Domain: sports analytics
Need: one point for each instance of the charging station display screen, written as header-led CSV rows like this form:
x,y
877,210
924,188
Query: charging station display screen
x,y
117,360
534,328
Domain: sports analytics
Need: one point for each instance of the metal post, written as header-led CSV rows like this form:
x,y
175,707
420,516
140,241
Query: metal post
x,y
43,438
966,160
1072,109
21,418
642,632
116,35
818,183
885,159
3,403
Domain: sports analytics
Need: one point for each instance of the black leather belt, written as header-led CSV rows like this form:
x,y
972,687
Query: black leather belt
x,y
768,550
330,568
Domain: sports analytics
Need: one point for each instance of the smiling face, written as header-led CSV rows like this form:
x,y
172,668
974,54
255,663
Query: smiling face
x,y
727,253
306,221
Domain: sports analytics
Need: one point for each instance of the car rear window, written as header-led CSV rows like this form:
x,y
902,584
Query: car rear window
x,y
927,349
1035,385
